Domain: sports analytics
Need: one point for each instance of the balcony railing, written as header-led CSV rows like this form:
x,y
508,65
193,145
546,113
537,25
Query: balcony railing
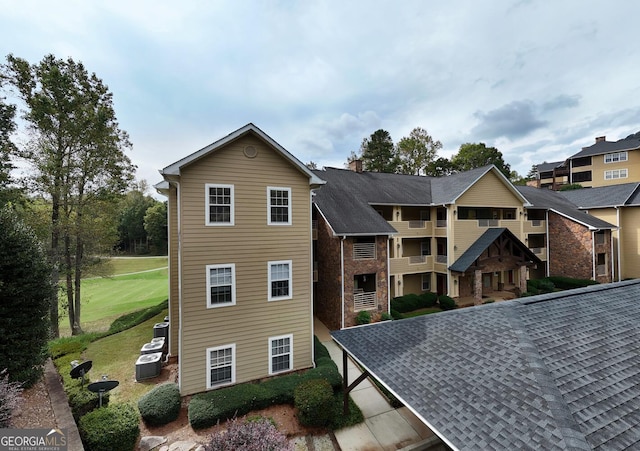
x,y
536,222
417,224
365,301
488,223
441,259
417,259
441,223
363,251
601,270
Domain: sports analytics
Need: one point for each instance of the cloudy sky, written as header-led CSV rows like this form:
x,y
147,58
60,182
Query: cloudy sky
x,y
537,79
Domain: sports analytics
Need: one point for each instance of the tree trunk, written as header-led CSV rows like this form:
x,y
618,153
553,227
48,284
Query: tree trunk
x,y
78,267
55,262
69,280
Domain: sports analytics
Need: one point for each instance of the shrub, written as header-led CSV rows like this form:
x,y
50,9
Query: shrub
x,y
396,314
9,398
363,317
546,286
386,317
568,283
428,299
83,401
132,319
250,436
314,401
110,428
26,291
161,405
406,303
446,303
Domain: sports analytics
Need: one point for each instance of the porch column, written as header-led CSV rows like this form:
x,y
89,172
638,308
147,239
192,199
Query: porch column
x,y
523,279
477,287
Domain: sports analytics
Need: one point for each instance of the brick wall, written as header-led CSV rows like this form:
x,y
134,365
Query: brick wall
x,y
377,266
571,249
327,291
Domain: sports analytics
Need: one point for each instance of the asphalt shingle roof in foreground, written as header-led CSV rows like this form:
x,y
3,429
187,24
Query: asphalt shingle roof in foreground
x,y
553,372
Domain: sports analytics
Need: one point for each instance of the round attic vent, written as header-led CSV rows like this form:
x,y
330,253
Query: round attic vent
x,y
250,152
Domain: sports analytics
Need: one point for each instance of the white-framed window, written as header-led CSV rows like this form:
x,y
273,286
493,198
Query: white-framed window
x,y
221,365
221,285
219,205
615,157
280,285
615,174
280,353
278,205
426,282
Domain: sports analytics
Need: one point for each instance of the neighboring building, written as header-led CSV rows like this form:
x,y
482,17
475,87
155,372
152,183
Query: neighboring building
x,y
240,275
467,235
606,163
619,205
384,235
578,244
552,175
552,372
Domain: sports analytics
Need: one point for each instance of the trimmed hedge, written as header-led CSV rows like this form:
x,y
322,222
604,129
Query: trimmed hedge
x,y
446,303
411,302
314,401
206,409
363,317
111,428
82,401
567,283
161,405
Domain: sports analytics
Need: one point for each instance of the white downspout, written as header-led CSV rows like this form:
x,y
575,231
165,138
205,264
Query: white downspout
x,y
548,248
619,239
179,219
342,272
593,253
388,280
313,356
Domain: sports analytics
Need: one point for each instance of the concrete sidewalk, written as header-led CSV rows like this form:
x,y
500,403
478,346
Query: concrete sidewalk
x,y
384,427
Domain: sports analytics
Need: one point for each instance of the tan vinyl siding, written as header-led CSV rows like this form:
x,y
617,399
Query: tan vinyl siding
x,y
467,232
174,292
598,168
489,191
630,243
249,244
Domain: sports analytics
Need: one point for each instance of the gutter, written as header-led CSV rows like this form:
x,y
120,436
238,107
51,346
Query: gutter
x,y
342,277
619,239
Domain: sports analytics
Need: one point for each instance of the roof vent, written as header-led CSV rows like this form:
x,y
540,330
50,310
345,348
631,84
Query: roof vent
x,y
148,366
250,152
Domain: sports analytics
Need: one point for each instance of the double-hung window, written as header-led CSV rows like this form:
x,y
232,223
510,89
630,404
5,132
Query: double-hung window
x,y
280,285
221,365
615,174
615,157
221,285
280,354
278,206
219,205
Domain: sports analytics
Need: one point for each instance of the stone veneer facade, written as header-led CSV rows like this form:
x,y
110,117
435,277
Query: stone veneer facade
x,y
571,249
328,301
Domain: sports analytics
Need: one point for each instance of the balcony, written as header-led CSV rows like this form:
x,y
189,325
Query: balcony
x,y
413,228
441,259
535,226
541,252
411,265
365,300
363,251
441,223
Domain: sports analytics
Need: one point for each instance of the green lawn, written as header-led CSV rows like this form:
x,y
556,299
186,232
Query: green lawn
x,y
106,298
116,356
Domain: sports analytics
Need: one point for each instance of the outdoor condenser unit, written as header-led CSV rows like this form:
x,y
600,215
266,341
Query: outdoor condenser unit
x,y
161,340
152,348
160,330
148,366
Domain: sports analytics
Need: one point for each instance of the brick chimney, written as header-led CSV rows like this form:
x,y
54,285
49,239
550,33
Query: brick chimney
x,y
600,139
355,165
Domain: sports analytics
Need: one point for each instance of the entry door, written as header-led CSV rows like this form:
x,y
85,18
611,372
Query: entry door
x,y
441,284
486,280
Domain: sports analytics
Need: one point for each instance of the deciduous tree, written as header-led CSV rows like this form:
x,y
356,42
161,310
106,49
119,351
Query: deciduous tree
x,y
155,223
417,151
76,158
476,155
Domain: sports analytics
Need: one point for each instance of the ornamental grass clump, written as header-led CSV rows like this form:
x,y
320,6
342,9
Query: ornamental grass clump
x,y
9,398
254,435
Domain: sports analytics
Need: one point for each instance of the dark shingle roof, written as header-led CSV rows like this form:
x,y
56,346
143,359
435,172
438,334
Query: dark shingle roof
x,y
553,200
602,147
602,196
481,244
544,167
347,198
552,372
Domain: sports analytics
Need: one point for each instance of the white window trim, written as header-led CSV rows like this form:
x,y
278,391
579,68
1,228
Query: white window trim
x,y
207,218
618,154
233,285
233,365
271,339
619,171
422,282
279,298
278,188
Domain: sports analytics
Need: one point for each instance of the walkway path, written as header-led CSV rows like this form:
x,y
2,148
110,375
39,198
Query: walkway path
x,y
384,427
